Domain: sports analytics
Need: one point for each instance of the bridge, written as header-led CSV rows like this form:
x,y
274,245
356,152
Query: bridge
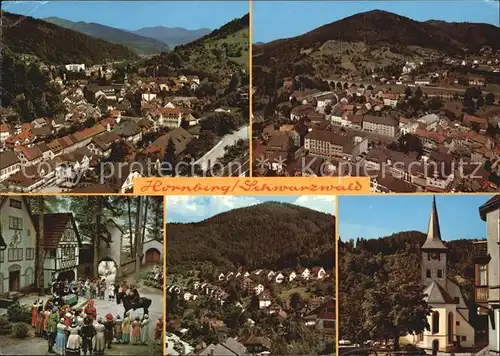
x,y
343,84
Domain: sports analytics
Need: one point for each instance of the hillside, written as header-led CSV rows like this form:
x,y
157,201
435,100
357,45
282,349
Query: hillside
x,y
138,43
172,36
366,40
220,53
268,235
367,267
57,45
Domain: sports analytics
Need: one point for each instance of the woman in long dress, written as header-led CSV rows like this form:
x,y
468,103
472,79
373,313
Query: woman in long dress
x,y
73,343
126,328
34,312
135,336
60,346
159,330
145,334
39,319
99,339
45,328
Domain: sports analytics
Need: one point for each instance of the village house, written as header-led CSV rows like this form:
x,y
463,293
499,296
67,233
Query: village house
x,y
101,145
279,278
265,300
318,272
17,246
9,164
323,317
382,125
305,273
332,144
292,276
62,244
488,277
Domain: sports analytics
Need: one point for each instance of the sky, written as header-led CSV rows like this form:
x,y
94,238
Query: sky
x,y
380,216
273,20
132,15
185,209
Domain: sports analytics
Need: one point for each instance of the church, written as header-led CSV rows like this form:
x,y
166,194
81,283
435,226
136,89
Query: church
x,y
450,329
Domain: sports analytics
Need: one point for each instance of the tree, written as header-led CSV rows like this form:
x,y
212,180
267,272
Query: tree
x,y
138,239
40,246
395,305
169,159
184,124
408,92
489,99
328,109
296,301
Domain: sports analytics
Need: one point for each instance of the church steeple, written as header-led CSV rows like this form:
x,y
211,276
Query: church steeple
x,y
433,241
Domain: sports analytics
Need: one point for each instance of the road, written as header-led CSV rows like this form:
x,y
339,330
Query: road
x,y
218,150
38,346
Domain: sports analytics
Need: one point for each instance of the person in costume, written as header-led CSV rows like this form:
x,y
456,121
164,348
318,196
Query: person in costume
x,y
79,317
39,319
126,328
34,313
145,334
158,330
118,329
111,292
46,318
135,335
90,310
68,318
52,329
99,339
60,346
73,343
88,333
109,324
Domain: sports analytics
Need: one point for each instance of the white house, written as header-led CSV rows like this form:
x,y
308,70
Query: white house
x,y
449,318
18,238
271,275
265,300
279,278
258,289
187,296
305,273
292,276
221,277
62,248
490,213
74,67
229,275
318,272
9,164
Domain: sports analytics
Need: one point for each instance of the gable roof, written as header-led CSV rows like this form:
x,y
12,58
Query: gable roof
x,y
436,294
54,227
490,205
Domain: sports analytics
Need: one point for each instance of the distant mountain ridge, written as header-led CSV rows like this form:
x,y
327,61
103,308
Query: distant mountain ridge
x,y
140,44
57,45
268,235
172,36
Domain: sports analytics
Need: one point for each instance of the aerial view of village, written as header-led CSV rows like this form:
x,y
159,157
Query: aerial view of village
x,y
402,92
81,275
419,281
250,275
97,93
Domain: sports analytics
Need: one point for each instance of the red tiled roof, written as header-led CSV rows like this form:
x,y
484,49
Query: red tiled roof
x,y
431,135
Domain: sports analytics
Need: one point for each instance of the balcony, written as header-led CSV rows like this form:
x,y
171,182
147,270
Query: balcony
x,y
481,294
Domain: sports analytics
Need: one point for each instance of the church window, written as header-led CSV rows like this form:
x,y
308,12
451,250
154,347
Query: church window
x,y
440,273
435,322
458,323
464,338
428,257
456,300
429,273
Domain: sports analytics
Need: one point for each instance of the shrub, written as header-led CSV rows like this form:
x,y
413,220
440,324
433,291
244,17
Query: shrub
x,y
5,325
20,330
19,313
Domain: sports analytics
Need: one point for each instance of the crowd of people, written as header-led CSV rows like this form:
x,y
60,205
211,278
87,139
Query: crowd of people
x,y
96,288
70,331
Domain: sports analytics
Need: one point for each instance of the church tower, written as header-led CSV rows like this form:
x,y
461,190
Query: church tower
x,y
434,252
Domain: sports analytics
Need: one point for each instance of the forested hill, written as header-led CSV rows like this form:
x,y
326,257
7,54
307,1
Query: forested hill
x,y
56,45
376,275
460,254
269,235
